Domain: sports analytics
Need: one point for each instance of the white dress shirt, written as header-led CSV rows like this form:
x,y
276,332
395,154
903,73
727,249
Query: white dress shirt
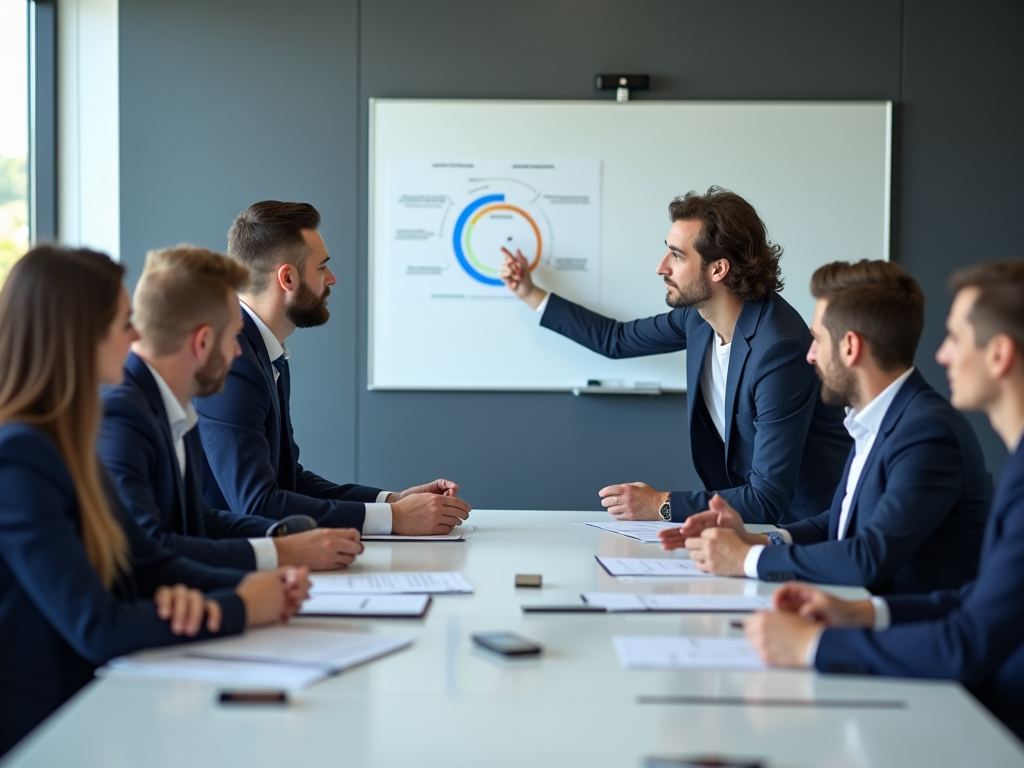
x,y
863,427
181,419
379,517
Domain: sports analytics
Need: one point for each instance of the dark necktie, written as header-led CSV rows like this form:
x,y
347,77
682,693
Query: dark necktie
x,y
286,476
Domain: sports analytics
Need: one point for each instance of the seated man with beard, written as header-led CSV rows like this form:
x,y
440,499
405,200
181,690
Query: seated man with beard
x,y
252,460
910,512
187,316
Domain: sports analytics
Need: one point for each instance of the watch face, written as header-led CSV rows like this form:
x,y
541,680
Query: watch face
x,y
666,511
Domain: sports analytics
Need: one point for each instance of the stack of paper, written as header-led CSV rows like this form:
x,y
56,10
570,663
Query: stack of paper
x,y
617,601
459,533
686,653
641,530
400,606
650,566
412,583
280,657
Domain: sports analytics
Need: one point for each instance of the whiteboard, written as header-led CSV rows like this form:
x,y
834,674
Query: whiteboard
x,y
818,174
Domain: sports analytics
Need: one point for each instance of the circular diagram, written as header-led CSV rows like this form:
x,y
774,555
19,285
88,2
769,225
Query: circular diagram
x,y
485,226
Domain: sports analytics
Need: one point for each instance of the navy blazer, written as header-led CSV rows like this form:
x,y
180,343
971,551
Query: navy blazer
x,y
252,462
137,448
974,635
57,621
917,516
784,449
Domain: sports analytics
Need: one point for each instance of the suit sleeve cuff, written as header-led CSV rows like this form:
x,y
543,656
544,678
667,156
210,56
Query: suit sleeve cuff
x,y
382,497
266,553
543,305
883,619
812,649
378,519
750,562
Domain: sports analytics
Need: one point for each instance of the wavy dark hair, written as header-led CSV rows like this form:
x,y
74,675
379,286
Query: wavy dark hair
x,y
731,230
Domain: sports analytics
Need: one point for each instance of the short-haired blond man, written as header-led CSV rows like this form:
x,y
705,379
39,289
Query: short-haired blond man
x,y
188,317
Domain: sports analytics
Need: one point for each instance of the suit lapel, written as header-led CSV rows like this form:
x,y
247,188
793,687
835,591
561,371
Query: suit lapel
x,y
914,384
746,327
137,370
251,334
696,354
837,501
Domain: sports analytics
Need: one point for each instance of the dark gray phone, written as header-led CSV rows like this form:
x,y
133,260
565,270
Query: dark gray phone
x,y
506,643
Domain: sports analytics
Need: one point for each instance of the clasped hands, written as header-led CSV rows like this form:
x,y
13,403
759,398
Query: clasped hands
x,y
718,543
716,539
427,510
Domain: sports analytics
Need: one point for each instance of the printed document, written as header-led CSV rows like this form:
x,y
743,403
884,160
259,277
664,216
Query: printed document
x,y
619,601
686,653
650,566
413,583
399,606
641,530
459,533
281,657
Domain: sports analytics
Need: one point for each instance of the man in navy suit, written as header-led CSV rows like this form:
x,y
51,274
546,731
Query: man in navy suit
x,y
910,512
252,460
759,435
975,634
187,315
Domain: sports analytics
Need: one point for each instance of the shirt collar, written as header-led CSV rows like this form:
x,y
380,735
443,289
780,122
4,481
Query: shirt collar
x,y
869,420
180,418
274,347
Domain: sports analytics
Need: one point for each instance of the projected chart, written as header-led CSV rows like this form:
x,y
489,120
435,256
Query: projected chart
x,y
500,218
448,223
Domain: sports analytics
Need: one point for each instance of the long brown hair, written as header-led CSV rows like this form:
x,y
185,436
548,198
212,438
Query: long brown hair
x,y
56,305
731,229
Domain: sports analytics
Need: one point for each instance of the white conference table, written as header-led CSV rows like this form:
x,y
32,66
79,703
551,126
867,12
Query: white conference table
x,y
442,703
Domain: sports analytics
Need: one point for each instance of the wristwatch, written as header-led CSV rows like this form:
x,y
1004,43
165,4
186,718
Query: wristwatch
x,y
775,539
666,511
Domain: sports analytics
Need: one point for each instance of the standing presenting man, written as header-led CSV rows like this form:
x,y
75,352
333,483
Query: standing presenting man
x,y
252,460
975,634
910,513
759,434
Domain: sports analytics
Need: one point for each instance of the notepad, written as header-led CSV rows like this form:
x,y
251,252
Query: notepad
x,y
378,606
650,566
459,533
669,653
618,601
280,657
641,530
422,583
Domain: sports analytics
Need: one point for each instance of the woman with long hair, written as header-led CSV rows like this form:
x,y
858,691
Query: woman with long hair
x,y
79,582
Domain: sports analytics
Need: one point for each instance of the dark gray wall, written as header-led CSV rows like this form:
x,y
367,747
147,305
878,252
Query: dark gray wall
x,y
226,102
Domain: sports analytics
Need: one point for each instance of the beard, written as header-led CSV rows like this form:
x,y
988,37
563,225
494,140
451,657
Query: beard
x,y
694,294
307,310
211,377
838,385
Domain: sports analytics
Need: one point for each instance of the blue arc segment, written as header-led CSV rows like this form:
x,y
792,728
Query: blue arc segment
x,y
460,225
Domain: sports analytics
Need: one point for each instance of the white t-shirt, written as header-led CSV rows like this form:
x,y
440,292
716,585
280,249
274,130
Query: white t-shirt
x,y
713,380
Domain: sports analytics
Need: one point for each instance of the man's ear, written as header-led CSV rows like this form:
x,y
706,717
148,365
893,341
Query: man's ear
x,y
719,269
288,277
203,341
1001,355
852,349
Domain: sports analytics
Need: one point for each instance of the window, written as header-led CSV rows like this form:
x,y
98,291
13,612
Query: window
x,y
14,97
